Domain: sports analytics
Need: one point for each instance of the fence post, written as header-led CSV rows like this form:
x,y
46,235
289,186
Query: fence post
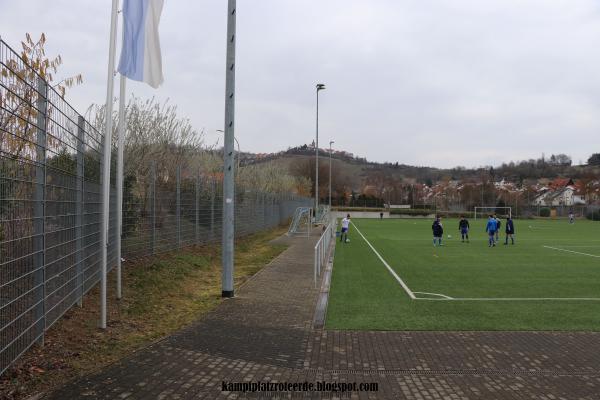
x,y
282,208
39,242
315,266
153,193
265,210
269,209
178,206
79,207
213,187
274,208
197,206
263,199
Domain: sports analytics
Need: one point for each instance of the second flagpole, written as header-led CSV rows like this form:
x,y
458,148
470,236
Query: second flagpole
x,y
106,161
120,161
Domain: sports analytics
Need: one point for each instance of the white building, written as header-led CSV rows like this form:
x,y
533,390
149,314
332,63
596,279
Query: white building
x,y
561,197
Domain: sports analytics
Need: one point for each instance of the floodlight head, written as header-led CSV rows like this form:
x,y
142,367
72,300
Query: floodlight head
x,y
320,86
331,142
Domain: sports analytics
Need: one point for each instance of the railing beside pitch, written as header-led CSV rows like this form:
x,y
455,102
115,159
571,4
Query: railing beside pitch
x,y
323,248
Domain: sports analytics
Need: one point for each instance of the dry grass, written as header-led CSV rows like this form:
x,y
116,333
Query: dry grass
x,y
160,296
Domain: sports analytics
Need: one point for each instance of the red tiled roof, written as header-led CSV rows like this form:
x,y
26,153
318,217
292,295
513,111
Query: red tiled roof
x,y
560,183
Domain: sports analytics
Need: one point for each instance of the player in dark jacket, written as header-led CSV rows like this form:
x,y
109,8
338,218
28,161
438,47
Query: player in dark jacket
x,y
510,231
498,226
463,227
438,231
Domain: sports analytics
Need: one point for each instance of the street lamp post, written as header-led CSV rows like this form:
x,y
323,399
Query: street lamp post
x,y
320,87
228,161
330,143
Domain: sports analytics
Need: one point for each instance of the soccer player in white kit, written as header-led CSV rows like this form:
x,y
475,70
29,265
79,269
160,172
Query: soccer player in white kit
x,y
345,226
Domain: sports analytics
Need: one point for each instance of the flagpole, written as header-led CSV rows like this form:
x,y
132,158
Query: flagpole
x,y
106,161
228,157
122,126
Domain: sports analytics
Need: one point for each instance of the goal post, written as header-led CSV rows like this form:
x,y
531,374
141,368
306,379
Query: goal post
x,y
503,211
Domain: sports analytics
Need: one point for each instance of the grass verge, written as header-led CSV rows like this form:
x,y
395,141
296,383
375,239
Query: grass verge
x,y
160,296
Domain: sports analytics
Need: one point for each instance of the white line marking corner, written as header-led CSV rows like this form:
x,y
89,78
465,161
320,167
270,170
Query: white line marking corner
x,y
400,281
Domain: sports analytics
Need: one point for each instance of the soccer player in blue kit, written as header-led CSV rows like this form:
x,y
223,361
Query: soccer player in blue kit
x,y
463,227
491,228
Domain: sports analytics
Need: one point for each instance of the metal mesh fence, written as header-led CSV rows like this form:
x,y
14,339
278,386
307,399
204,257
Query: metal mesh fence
x,y
558,211
51,208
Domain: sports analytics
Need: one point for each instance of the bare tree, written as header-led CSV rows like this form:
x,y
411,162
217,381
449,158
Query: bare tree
x,y
268,177
305,168
154,133
18,97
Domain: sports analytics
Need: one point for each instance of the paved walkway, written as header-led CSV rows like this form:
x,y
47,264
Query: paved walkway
x,y
266,334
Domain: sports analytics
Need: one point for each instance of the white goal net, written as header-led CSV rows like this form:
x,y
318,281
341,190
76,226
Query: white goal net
x,y
485,211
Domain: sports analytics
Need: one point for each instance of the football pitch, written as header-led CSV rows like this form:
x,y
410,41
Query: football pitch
x,y
391,277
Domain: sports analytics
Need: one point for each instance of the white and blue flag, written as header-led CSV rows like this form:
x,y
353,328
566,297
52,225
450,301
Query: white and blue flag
x,y
140,54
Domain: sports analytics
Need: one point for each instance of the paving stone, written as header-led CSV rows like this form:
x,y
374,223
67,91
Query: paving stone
x,y
266,334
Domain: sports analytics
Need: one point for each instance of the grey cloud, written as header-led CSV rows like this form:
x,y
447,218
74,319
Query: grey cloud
x,y
434,82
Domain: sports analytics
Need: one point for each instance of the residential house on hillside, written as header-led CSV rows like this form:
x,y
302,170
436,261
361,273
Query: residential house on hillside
x,y
560,183
591,191
560,192
504,185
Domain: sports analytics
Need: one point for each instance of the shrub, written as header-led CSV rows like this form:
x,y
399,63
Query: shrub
x,y
419,212
544,212
411,211
356,209
453,214
594,215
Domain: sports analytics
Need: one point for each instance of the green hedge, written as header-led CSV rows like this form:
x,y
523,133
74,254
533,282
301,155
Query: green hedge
x,y
594,215
544,212
356,209
419,212
411,211
454,214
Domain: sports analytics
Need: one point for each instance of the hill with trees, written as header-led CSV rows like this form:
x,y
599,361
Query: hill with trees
x,y
356,178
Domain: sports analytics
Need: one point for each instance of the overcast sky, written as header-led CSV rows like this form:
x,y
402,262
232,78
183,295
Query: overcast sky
x,y
425,82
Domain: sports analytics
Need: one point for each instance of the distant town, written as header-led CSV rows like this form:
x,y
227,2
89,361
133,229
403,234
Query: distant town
x,y
544,182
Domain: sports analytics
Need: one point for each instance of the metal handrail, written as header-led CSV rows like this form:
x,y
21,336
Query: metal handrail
x,y
323,248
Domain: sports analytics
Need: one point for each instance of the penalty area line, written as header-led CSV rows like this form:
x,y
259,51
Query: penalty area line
x,y
394,274
571,251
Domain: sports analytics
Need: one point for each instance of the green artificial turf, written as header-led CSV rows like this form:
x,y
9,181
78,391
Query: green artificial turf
x,y
365,295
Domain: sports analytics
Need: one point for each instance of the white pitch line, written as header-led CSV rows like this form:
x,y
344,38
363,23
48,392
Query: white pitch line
x,y
572,251
400,281
573,246
514,299
433,294
411,294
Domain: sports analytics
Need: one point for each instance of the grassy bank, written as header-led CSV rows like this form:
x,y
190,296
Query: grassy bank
x,y
160,296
